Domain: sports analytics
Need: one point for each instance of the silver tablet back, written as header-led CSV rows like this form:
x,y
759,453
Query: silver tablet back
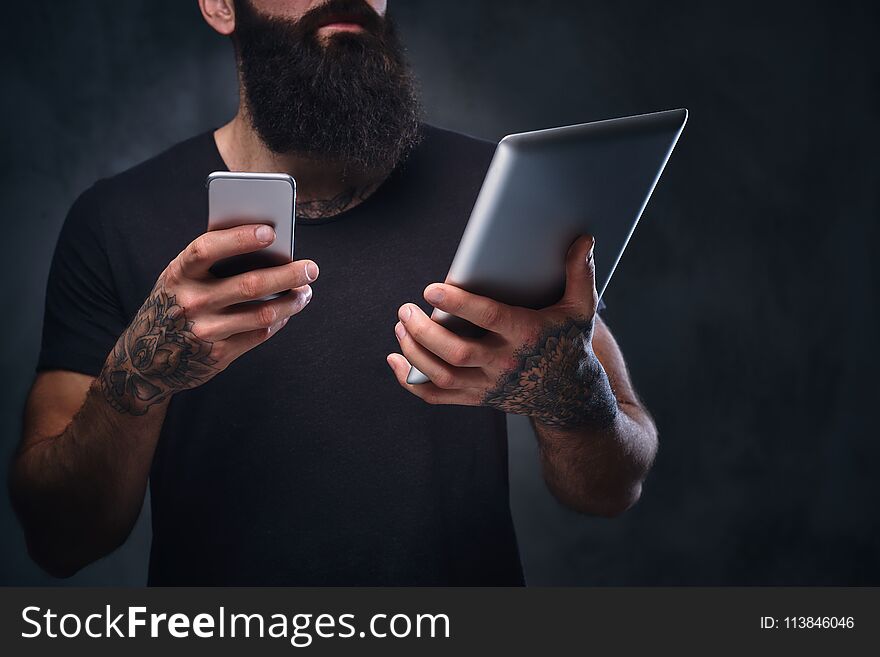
x,y
545,188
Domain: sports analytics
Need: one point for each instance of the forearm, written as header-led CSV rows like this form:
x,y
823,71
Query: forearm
x,y
79,478
79,490
78,493
599,470
597,465
559,366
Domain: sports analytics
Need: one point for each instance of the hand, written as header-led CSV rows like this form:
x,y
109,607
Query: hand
x,y
192,326
538,363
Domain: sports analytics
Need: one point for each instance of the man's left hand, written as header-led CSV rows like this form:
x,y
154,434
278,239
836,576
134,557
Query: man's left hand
x,y
538,363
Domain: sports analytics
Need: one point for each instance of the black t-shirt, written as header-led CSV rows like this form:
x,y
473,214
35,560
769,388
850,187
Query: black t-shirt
x,y
304,463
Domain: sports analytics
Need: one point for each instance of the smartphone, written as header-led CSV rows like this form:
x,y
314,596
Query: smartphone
x,y
237,199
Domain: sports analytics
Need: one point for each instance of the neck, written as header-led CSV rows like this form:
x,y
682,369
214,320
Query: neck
x,y
323,189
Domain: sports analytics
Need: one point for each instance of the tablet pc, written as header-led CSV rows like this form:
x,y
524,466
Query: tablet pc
x,y
545,188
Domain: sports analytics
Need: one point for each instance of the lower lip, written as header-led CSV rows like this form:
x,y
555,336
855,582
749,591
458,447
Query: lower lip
x,y
341,27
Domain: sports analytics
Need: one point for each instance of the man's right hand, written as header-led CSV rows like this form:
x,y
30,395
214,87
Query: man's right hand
x,y
193,325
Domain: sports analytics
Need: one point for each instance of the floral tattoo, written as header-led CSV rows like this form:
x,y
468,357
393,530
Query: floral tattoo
x,y
156,356
558,380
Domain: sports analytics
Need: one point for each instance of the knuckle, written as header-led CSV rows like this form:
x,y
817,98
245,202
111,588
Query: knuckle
x,y
293,301
531,334
197,251
243,237
526,325
492,315
461,355
431,398
209,333
288,309
458,303
266,316
507,363
189,301
249,286
444,379
414,328
302,300
220,352
173,273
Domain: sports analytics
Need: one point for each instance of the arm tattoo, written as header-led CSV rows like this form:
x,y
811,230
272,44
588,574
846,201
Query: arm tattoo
x,y
156,356
558,380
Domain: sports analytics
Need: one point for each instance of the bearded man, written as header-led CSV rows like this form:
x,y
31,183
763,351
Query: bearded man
x,y
300,455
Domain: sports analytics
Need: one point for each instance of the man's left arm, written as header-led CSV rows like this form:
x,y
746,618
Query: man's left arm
x,y
600,469
560,366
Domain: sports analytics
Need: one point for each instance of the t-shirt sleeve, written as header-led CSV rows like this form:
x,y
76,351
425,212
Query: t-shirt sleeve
x,y
83,315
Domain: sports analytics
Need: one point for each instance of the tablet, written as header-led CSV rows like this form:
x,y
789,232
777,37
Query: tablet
x,y
545,188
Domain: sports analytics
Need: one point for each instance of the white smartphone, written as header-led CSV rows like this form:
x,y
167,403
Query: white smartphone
x,y
237,199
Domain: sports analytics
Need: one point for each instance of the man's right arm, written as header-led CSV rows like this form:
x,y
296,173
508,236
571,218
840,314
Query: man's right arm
x,y
79,477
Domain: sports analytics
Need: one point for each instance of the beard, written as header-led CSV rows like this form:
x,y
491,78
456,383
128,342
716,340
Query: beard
x,y
350,99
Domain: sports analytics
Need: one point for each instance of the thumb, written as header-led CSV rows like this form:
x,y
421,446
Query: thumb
x,y
580,275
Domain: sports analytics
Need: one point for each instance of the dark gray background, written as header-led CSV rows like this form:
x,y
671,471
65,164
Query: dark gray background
x,y
746,303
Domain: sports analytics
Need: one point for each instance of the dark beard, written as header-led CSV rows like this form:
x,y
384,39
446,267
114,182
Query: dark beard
x,y
349,100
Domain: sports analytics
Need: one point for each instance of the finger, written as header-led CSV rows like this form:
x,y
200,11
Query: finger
x,y
441,373
428,391
240,343
260,283
251,317
484,312
580,276
454,349
196,259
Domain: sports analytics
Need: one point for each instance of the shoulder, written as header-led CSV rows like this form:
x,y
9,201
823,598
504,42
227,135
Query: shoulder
x,y
137,199
453,157
154,179
440,142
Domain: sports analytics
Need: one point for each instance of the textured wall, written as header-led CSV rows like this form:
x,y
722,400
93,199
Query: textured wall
x,y
746,304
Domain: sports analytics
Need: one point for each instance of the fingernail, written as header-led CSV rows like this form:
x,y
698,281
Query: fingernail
x,y
308,292
434,295
312,271
590,254
265,234
400,331
405,313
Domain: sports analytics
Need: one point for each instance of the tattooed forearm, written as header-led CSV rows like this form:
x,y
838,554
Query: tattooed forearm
x,y
156,356
558,380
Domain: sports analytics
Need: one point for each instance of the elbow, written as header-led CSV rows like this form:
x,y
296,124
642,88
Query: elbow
x,y
605,505
63,555
42,548
59,540
616,505
63,552
52,561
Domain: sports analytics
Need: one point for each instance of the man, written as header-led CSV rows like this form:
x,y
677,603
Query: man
x,y
278,446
